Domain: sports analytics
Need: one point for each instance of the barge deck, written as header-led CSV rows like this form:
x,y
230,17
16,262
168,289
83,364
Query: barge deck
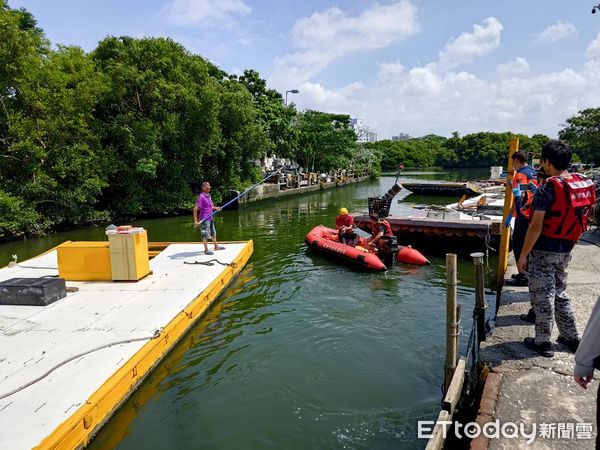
x,y
98,343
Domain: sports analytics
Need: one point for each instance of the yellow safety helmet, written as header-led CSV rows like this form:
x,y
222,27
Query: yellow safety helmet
x,y
343,211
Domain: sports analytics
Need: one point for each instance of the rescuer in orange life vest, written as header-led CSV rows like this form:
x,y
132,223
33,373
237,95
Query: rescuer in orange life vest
x,y
527,205
560,211
523,183
379,228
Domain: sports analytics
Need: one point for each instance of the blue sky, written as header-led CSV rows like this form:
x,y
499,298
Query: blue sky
x,y
401,66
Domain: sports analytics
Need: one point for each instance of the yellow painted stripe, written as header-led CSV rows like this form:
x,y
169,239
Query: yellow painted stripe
x,y
78,429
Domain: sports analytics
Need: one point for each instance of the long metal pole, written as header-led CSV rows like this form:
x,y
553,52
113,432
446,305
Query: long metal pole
x,y
480,304
254,186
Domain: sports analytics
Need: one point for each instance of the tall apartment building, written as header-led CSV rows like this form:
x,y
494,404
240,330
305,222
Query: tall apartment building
x,y
363,132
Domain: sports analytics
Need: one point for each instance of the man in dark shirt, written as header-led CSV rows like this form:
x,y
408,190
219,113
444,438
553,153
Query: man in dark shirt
x,y
524,175
546,259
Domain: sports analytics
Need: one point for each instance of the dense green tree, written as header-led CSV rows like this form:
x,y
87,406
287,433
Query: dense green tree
x,y
483,149
243,138
365,157
277,119
58,167
326,141
157,121
21,50
170,120
48,148
582,132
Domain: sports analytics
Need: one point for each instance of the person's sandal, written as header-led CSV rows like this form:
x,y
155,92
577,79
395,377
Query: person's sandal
x,y
220,247
209,253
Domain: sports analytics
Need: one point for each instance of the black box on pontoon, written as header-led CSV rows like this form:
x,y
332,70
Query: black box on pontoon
x,y
32,291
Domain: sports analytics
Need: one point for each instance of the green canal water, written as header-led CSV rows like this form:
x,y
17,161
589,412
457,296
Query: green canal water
x,y
298,352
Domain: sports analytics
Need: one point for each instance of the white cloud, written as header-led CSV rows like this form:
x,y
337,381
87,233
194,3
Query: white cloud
x,y
422,100
519,65
422,82
469,45
192,12
328,35
593,49
557,32
390,70
435,97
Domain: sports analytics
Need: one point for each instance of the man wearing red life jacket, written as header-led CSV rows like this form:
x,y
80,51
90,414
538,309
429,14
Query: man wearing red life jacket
x,y
527,211
560,208
344,223
524,177
379,228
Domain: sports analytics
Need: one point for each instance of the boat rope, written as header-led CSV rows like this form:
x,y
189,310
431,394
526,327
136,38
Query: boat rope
x,y
79,355
33,267
212,262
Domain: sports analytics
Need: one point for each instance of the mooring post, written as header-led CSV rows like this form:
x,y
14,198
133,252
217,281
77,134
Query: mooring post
x,y
481,306
452,320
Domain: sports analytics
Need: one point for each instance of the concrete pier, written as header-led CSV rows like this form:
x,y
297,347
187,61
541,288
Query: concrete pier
x,y
527,389
273,190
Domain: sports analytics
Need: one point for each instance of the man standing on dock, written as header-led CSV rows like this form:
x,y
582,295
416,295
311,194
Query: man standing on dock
x,y
207,226
560,211
524,175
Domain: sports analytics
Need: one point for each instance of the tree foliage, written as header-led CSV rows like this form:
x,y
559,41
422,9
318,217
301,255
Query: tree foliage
x,y
275,118
483,149
326,141
582,132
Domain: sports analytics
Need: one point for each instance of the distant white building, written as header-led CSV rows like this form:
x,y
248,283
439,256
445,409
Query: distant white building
x,y
363,132
401,137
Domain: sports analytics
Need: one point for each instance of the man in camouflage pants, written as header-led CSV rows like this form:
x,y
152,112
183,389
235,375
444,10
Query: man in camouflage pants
x,y
546,256
547,285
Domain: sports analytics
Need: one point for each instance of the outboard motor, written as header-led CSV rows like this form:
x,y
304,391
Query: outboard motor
x,y
388,247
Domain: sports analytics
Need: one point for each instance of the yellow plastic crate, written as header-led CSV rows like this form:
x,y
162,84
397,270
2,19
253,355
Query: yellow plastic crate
x,y
84,261
129,256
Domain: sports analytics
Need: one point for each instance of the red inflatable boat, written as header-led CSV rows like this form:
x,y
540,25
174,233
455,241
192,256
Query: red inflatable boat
x,y
325,240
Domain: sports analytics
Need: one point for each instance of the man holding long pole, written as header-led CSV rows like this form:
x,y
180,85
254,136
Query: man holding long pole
x,y
208,210
207,226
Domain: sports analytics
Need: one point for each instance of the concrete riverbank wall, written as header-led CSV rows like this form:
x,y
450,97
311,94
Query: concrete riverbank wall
x,y
275,190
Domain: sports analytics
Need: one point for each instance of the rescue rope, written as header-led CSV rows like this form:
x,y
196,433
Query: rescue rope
x,y
79,355
14,263
211,263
